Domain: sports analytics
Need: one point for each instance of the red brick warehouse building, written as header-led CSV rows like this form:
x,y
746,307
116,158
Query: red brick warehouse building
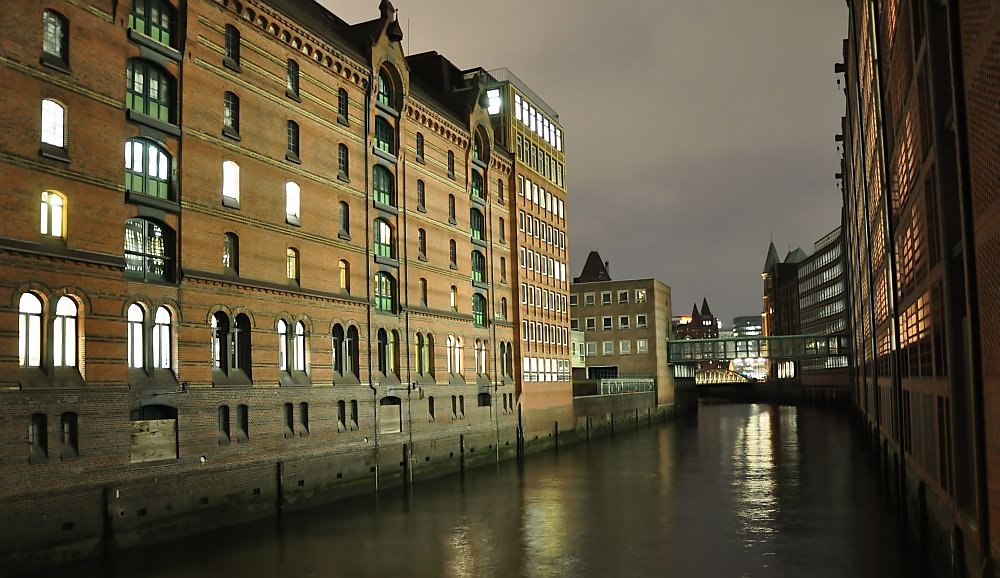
x,y
300,276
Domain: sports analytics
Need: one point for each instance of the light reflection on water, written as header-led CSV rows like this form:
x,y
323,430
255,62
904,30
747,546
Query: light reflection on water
x,y
742,490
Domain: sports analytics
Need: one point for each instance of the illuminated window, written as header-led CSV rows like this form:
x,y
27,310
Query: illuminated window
x,y
384,246
231,182
52,211
53,123
385,292
384,95
30,330
136,320
292,265
161,341
147,169
231,253
230,114
55,43
149,249
150,90
292,202
345,276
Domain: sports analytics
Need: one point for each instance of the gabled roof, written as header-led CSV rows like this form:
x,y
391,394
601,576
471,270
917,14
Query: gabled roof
x,y
593,270
694,312
772,258
436,76
705,311
796,255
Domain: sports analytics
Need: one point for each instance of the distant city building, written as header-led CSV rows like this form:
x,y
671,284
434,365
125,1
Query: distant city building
x,y
578,356
747,326
781,292
626,325
699,325
823,307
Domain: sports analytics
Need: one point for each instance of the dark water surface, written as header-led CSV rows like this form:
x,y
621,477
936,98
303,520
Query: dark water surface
x,y
743,490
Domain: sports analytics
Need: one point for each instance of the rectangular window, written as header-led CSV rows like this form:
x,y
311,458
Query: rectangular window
x,y
574,324
625,347
623,322
524,293
640,321
623,296
642,346
606,323
591,348
606,298
640,295
607,348
591,323
573,300
588,299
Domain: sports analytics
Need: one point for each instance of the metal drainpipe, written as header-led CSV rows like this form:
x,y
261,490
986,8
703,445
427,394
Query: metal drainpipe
x,y
491,302
403,239
975,373
368,267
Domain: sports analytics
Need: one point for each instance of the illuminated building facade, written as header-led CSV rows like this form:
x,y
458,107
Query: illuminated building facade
x,y
922,238
823,308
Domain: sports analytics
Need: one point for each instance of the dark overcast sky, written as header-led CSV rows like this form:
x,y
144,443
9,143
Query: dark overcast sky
x,y
694,128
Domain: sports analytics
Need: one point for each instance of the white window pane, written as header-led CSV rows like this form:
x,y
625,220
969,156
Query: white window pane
x,y
35,340
162,172
56,216
57,338
52,123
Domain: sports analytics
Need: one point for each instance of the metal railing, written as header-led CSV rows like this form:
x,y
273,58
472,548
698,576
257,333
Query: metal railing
x,y
619,385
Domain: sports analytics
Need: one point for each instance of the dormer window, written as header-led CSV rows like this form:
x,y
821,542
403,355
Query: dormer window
x,y
384,96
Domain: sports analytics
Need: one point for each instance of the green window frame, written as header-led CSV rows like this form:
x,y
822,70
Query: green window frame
x,y
383,186
150,90
153,18
147,169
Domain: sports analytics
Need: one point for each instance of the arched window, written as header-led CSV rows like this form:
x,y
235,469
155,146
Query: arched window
x,y
394,353
503,269
242,346
451,208
343,161
503,308
162,354
384,137
421,195
150,90
345,276
232,45
383,239
70,434
452,253
421,361
450,352
292,79
451,164
390,415
384,189
501,231
478,224
293,140
231,182
385,94
52,211
30,330
385,292
422,243
136,321
343,114
153,18
480,355
149,250
64,333
293,202
292,265
53,124
220,341
423,291
345,219
55,39
500,190
231,114
479,310
382,339
478,190
453,297
299,347
339,347
353,360
478,267
231,253
429,355
420,146
147,169
457,362
282,345
477,148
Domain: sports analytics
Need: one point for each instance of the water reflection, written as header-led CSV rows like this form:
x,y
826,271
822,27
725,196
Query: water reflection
x,y
755,491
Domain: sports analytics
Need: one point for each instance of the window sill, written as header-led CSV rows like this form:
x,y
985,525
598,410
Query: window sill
x,y
37,457
236,377
453,266
54,153
343,235
386,109
479,242
421,208
294,378
388,261
232,133
477,199
143,40
293,220
386,156
55,63
422,257
451,176
480,285
343,178
452,221
342,120
293,157
292,95
230,202
154,123
231,64
386,208
421,160
479,163
156,202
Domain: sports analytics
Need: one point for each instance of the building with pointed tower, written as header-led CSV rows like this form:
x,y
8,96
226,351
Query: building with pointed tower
x,y
320,265
626,326
701,324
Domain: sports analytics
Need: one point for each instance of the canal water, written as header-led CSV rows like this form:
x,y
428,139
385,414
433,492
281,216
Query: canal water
x,y
740,491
